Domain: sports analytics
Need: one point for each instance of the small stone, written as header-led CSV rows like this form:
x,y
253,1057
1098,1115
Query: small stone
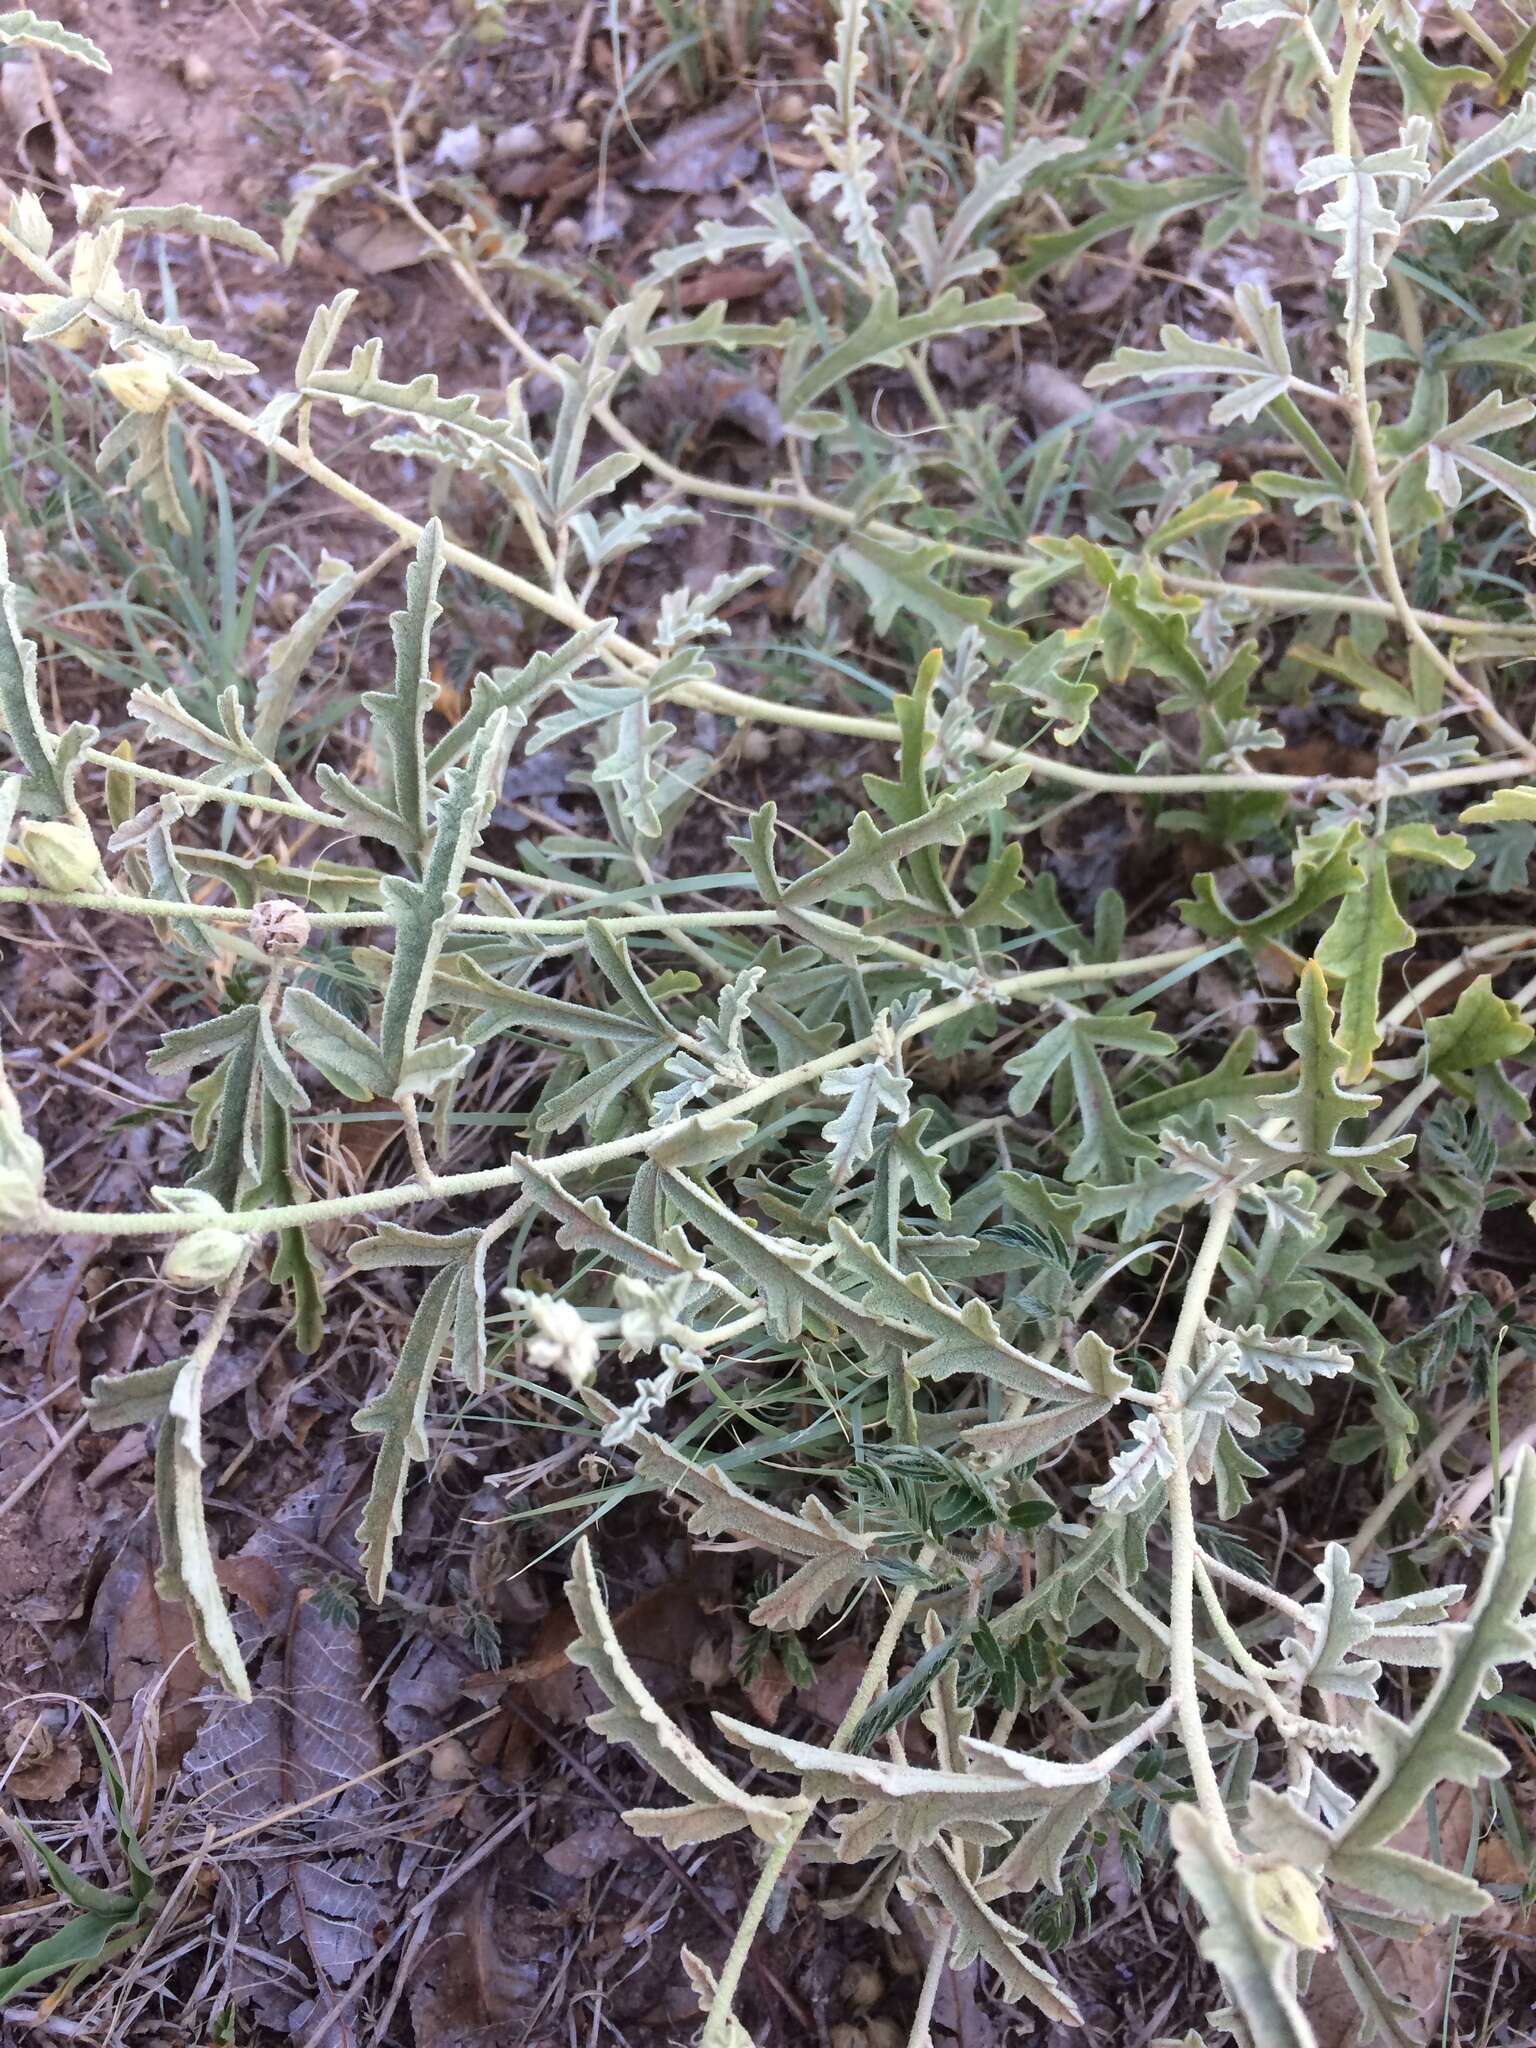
x,y
523,138
451,1762
280,926
572,136
196,72
789,108
862,1986
566,233
460,148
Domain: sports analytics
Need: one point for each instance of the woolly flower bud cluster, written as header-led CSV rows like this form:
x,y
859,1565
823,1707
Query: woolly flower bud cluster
x,y
563,1341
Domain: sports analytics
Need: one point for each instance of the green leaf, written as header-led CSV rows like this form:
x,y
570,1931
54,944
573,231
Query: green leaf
x,y
423,914
1317,1106
1376,690
186,219
1142,626
50,760
249,1069
959,253
332,1043
1261,373
872,858
464,1252
1251,1959
979,1931
1327,864
1514,135
84,1939
831,1562
1367,930
399,715
1412,1758
1041,1429
716,1804
1504,806
868,1088
321,182
886,331
397,1418
290,655
1481,1029
455,425
909,1805
187,1572
21,27
1358,217
945,1338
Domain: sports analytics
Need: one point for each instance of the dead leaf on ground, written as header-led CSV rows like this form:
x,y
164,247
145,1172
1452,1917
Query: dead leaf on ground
x,y
587,1850
707,152
480,1976
1415,1972
379,247
47,1765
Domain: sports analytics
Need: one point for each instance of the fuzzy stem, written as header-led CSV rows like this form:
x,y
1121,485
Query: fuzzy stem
x,y
717,2028
304,1215
1181,1520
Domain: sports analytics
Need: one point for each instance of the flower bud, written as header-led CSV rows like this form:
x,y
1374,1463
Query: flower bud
x,y
61,856
21,1164
138,385
1287,1898
75,335
280,926
202,1259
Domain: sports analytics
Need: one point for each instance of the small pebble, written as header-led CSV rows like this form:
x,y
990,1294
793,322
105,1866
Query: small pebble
x,y
789,107
566,232
572,136
523,138
862,1986
460,148
196,72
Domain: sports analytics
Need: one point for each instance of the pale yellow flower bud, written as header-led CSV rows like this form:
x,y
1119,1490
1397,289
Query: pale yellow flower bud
x,y
140,386
61,856
1288,1899
21,1164
202,1259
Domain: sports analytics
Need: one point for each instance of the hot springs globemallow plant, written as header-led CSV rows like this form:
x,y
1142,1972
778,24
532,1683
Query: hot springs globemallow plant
x,y
981,1357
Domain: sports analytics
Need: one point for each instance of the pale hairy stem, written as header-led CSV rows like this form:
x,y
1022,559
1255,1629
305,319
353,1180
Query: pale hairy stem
x,y
302,1215
675,924
209,792
1282,1603
415,1146
716,2027
236,917
1279,1713
1181,1520
921,2035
